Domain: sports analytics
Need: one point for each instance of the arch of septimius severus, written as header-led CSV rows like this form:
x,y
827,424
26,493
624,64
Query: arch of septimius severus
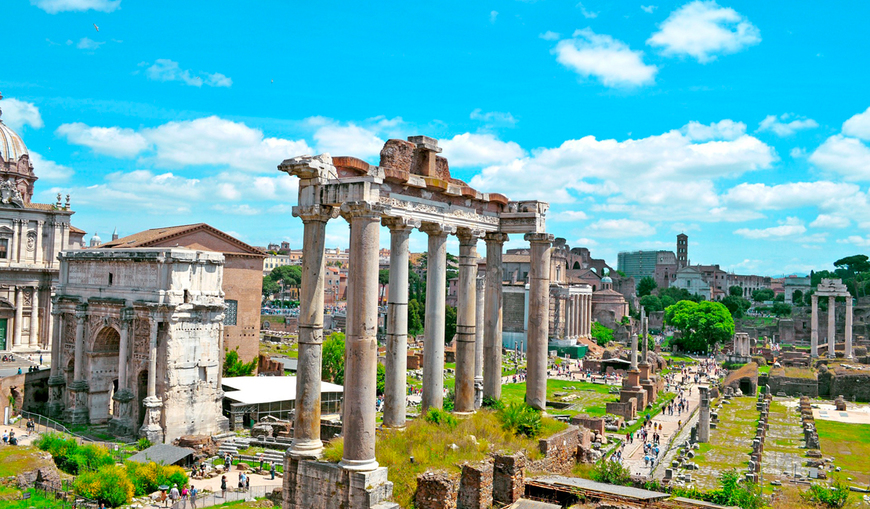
x,y
411,188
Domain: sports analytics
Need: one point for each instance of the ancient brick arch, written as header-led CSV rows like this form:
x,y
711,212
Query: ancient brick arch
x,y
108,339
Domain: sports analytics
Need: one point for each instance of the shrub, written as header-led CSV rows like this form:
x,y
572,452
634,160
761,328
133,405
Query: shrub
x,y
143,444
611,472
109,485
828,496
439,417
450,400
147,477
73,458
490,402
520,419
732,492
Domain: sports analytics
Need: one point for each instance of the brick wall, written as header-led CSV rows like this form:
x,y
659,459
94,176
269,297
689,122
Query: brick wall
x,y
559,450
508,478
475,486
436,490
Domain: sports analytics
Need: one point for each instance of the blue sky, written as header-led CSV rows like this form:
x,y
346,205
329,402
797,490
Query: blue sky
x,y
744,124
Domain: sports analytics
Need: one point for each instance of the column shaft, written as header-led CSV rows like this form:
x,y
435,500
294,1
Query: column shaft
x,y
152,359
569,316
848,331
814,326
78,367
395,385
123,354
13,247
436,284
832,326
306,428
480,292
19,317
633,359
37,256
22,241
539,310
361,346
34,318
466,321
55,340
492,343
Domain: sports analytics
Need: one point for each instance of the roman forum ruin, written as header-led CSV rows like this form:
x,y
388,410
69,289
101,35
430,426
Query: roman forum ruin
x,y
831,288
411,188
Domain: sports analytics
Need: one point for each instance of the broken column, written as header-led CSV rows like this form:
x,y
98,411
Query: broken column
x,y
466,321
493,316
704,415
539,311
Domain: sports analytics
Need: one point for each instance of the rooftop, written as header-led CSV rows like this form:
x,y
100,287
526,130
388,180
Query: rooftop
x,y
253,390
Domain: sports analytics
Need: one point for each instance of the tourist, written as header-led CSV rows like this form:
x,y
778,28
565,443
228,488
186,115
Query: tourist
x,y
193,492
241,480
272,469
174,494
224,486
261,462
247,483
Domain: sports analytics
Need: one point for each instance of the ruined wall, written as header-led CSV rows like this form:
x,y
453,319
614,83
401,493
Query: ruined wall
x,y
436,490
508,478
793,386
851,384
243,283
559,450
475,486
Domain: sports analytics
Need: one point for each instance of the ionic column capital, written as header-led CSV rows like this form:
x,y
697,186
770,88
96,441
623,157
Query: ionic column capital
x,y
495,237
317,212
437,229
361,209
400,224
539,238
469,236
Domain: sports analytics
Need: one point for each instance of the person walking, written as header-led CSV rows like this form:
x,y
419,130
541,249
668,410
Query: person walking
x,y
224,486
193,493
272,469
184,494
174,494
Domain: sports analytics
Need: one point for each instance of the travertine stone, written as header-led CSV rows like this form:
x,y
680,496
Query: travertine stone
x,y
466,321
493,316
848,329
395,384
814,327
832,326
539,310
361,346
480,289
704,416
436,282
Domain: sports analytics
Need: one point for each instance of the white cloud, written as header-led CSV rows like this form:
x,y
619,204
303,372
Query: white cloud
x,y
550,36
858,126
163,193
704,30
723,130
828,195
17,114
113,141
570,215
492,16
605,58
55,6
49,171
781,127
86,43
167,70
478,150
846,156
586,14
493,118
791,227
829,221
856,240
797,153
348,140
619,228
584,242
648,8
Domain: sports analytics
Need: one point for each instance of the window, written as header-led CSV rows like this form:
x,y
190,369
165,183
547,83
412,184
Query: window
x,y
232,312
4,248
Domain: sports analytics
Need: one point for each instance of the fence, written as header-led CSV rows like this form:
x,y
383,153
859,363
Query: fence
x,y
212,499
63,496
44,424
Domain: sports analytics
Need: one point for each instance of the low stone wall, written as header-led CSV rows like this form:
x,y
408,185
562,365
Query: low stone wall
x,y
627,410
559,450
475,486
322,485
593,424
436,490
508,478
851,384
793,386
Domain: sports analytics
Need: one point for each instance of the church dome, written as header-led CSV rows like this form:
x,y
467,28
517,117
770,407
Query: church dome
x,y
606,279
11,145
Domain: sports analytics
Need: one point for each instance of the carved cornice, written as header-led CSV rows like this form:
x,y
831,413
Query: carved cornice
x,y
437,229
396,224
361,209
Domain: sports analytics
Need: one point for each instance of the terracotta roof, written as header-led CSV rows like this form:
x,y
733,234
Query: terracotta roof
x,y
39,206
73,229
515,258
153,236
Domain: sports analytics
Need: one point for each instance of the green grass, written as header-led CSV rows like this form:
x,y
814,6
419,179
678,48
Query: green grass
x,y
730,443
429,445
14,460
11,499
591,397
674,358
269,349
805,373
763,369
849,444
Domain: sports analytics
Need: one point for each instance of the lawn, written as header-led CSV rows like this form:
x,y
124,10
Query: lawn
x,y
270,349
806,373
730,443
430,446
11,499
783,446
849,445
586,398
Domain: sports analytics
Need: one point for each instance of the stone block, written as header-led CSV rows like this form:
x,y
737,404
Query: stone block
x,y
475,486
436,490
508,478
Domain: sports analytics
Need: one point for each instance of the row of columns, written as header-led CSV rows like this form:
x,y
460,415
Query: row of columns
x,y
32,341
18,248
474,363
832,327
578,307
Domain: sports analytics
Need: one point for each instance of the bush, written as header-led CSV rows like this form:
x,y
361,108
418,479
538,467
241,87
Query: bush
x,y
828,496
439,417
520,419
611,472
490,402
449,400
109,485
73,458
143,444
732,492
147,477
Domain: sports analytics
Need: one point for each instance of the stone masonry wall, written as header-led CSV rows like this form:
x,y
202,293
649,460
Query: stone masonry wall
x,y
436,490
559,450
475,486
508,478
794,386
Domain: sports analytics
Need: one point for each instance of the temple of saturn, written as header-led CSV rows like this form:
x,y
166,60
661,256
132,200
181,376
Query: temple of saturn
x,y
411,188
831,288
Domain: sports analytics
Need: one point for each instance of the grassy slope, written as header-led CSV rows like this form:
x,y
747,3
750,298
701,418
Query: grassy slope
x,y
591,400
849,444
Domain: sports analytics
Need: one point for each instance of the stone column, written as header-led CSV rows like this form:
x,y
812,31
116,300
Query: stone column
x,y
306,428
578,315
848,331
361,345
37,257
34,318
704,416
13,247
395,385
56,381
569,316
633,358
22,241
480,289
832,326
644,324
493,316
814,326
122,423
19,317
539,309
151,428
81,318
466,321
78,414
436,289
124,348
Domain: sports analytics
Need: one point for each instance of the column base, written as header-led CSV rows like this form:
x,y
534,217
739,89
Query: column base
x,y
79,413
324,485
305,449
56,405
359,465
122,425
151,428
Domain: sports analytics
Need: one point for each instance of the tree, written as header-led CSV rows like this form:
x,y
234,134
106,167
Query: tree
x,y
651,303
415,317
797,297
854,264
449,323
235,367
270,287
290,274
384,277
601,334
781,309
779,298
702,324
646,286
763,295
678,294
382,379
735,291
737,306
333,359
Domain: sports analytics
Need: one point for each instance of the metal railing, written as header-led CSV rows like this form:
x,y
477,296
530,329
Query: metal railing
x,y
213,499
63,496
44,424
